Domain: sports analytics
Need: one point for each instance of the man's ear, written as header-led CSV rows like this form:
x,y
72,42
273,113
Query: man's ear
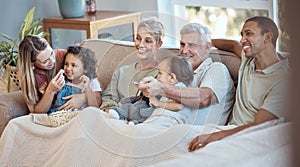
x,y
268,37
208,45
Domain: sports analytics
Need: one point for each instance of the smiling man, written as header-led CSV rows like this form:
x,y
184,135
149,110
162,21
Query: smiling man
x,y
261,91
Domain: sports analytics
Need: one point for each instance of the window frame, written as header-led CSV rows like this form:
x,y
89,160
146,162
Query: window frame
x,y
177,7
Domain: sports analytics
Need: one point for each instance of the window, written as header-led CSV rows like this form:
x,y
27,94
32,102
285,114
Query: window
x,y
224,17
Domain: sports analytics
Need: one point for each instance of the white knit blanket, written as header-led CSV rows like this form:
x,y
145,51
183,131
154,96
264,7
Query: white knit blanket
x,y
92,139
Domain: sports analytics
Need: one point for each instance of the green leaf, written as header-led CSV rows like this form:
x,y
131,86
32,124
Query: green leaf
x,y
33,28
28,19
42,34
6,36
21,32
26,24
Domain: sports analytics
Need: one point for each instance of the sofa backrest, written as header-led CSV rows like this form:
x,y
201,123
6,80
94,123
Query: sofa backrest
x,y
113,54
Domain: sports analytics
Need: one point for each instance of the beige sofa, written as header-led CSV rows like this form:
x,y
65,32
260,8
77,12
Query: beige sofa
x,y
110,55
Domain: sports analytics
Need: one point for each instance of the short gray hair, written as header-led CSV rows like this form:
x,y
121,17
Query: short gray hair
x,y
154,27
196,27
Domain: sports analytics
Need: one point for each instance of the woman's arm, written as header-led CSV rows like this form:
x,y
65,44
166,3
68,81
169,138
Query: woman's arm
x,y
110,96
45,103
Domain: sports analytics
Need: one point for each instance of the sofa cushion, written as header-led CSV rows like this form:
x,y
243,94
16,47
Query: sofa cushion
x,y
231,61
12,105
112,54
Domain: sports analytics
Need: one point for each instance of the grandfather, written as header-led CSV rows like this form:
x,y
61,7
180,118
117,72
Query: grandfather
x,y
211,94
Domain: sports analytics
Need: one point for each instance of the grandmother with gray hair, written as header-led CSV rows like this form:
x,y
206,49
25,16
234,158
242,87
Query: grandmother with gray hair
x,y
148,41
212,92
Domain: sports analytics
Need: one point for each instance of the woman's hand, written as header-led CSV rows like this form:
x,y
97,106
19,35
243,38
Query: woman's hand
x,y
56,83
74,101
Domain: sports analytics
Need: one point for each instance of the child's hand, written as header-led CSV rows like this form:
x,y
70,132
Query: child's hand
x,y
153,101
85,80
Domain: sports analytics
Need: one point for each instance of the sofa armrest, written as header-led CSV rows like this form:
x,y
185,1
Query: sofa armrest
x,y
12,105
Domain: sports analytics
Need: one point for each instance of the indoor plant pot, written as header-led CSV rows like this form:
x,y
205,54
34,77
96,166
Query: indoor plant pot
x,y
72,8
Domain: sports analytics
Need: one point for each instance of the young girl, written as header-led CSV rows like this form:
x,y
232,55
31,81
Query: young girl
x,y
80,72
38,64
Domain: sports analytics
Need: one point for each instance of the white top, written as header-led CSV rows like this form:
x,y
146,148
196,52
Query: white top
x,y
94,85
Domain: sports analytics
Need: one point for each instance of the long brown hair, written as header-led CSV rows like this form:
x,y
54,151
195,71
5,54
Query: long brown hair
x,y
29,49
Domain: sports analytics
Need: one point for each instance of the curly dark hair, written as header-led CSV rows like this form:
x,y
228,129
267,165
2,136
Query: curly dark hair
x,y
87,57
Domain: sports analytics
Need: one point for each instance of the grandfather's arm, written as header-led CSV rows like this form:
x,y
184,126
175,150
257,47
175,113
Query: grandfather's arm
x,y
194,97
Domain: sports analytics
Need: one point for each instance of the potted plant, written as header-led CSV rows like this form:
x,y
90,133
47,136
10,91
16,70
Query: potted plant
x,y
9,48
72,8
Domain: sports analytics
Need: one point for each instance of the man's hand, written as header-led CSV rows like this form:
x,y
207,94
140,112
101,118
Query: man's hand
x,y
202,140
150,87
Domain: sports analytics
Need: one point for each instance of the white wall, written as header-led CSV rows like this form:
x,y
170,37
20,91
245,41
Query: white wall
x,y
127,5
12,12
